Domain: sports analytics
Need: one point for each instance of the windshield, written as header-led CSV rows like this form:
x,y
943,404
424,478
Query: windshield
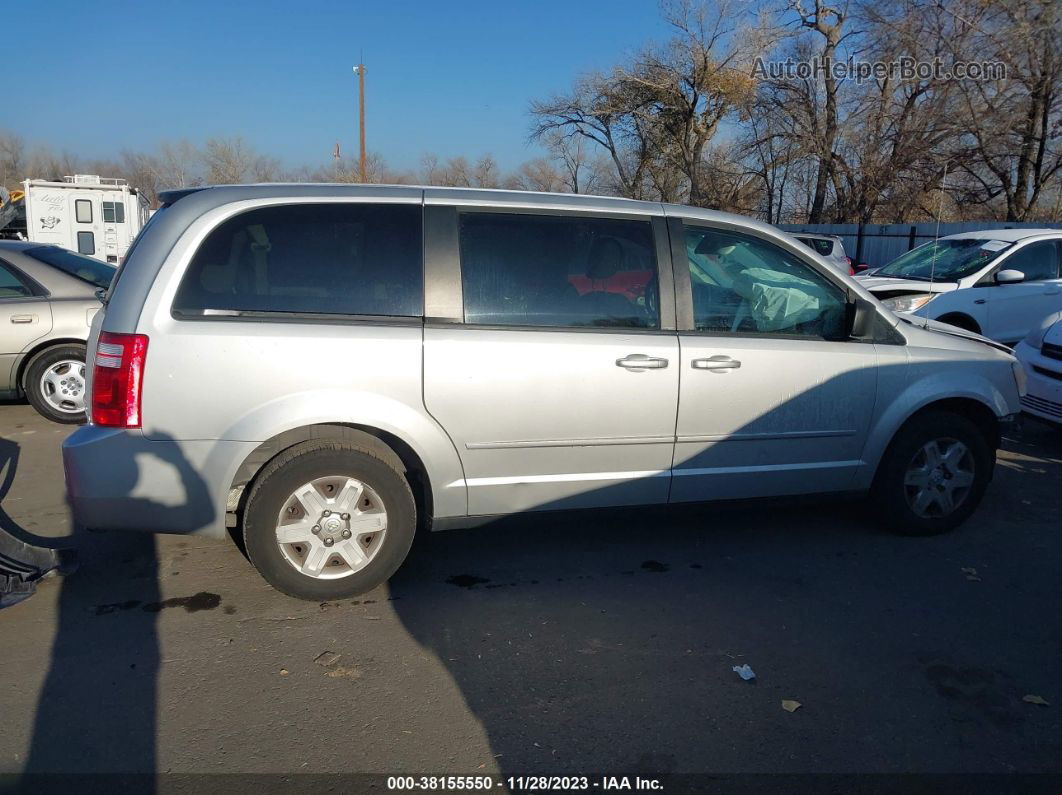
x,y
88,270
946,260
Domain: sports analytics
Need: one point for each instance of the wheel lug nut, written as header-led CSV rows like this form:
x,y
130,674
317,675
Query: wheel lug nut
x,y
326,513
345,517
316,529
328,542
346,534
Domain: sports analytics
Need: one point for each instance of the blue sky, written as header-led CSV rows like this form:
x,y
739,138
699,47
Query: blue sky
x,y
449,77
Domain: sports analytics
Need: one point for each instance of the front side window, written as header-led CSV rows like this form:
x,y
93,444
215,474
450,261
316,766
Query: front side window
x,y
1038,261
742,284
336,259
558,271
83,211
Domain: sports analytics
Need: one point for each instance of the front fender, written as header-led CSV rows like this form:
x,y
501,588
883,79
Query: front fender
x,y
925,383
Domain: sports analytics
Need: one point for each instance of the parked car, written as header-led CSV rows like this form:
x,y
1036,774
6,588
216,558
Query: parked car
x,y
319,369
1000,282
1040,353
830,247
47,300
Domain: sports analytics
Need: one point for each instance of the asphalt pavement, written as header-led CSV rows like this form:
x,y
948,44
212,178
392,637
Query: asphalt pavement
x,y
556,644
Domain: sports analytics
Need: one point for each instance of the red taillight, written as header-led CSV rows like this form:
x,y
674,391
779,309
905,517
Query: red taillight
x,y
117,380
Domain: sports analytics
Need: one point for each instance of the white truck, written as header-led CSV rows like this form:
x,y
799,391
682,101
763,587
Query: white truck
x,y
85,213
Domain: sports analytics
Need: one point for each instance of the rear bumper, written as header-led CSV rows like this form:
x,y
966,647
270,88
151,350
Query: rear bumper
x,y
119,480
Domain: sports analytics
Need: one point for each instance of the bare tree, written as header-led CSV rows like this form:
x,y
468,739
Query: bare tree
x,y
576,167
828,21
458,172
655,115
228,161
537,174
176,165
685,90
12,159
595,112
1013,127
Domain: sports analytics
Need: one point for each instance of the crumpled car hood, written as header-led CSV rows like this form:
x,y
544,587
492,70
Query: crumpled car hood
x,y
890,284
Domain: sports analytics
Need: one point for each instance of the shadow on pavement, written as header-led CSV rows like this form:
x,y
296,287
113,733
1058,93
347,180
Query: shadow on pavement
x,y
607,643
97,709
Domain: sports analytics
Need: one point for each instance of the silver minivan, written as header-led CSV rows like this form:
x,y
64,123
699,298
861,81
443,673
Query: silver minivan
x,y
320,370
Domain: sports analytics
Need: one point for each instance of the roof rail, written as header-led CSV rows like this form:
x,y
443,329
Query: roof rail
x,y
93,179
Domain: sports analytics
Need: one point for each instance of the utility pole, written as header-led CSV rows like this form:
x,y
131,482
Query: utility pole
x,y
359,70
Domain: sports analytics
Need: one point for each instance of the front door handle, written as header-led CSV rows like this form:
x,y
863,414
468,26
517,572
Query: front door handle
x,y
716,364
979,301
23,318
639,362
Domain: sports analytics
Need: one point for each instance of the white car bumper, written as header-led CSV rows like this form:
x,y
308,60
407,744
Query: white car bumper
x,y
1043,396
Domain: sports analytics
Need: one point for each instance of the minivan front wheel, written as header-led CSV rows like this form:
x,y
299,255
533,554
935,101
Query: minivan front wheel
x,y
933,475
327,520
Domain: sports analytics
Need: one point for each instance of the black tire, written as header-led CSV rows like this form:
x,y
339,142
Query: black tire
x,y
302,464
964,322
889,494
32,382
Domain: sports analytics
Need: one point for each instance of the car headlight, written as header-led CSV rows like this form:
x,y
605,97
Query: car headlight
x,y
1019,377
908,303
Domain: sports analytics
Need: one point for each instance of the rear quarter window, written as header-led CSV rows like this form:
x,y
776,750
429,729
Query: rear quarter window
x,y
335,259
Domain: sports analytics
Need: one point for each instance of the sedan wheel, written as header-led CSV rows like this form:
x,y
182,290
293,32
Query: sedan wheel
x,y
63,386
55,383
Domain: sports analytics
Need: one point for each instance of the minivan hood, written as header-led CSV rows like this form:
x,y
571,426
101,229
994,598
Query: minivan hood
x,y
952,331
891,284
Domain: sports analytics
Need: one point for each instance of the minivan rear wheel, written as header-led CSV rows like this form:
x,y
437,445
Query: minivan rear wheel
x,y
933,475
328,520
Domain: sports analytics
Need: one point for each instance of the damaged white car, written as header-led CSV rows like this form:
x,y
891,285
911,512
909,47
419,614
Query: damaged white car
x,y
1000,283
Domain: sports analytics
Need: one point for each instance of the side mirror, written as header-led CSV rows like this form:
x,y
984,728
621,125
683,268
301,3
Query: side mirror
x,y
1009,276
860,317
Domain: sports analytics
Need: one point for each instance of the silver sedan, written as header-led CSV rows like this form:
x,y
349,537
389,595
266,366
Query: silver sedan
x,y
47,300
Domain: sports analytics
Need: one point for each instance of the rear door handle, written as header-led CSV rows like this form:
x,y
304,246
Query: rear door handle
x,y
716,364
639,361
23,318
